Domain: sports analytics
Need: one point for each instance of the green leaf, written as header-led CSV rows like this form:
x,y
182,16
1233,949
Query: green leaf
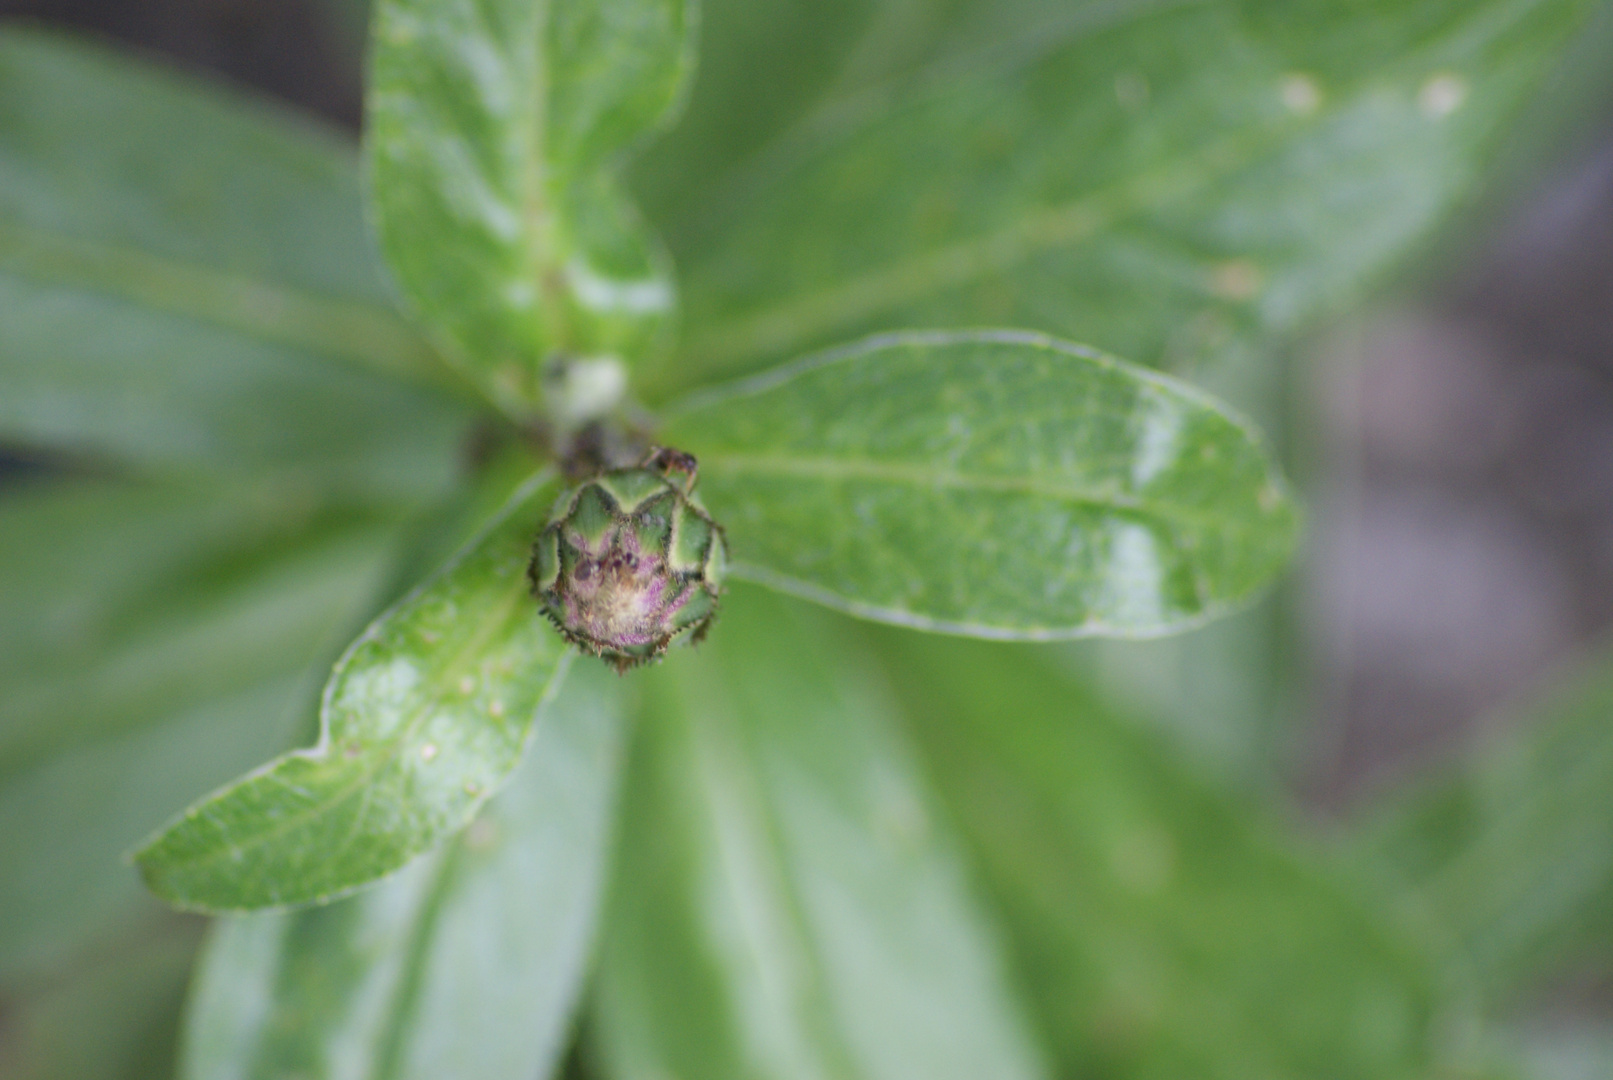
x,y
1510,851
155,643
762,65
1168,182
818,59
994,484
494,131
1226,695
422,719
787,905
1167,930
111,1016
466,964
185,284
126,599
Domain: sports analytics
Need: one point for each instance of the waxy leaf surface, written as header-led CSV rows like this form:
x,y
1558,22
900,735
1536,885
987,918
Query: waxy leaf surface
x,y
494,130
157,642
1167,929
421,721
994,484
787,906
186,287
467,963
1170,182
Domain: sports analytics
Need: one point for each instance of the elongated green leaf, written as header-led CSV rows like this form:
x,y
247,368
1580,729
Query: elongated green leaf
x,y
787,906
1511,851
770,69
112,1016
123,600
1219,689
466,964
494,128
155,642
994,484
421,721
762,65
1166,929
185,284
1169,181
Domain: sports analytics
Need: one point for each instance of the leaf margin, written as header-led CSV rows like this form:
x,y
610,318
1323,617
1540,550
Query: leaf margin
x,y
773,378
137,856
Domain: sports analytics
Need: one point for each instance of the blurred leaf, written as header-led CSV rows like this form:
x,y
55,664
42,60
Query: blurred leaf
x,y
995,484
1169,182
1223,695
179,267
123,600
733,109
1165,929
819,56
155,643
494,130
109,1017
466,964
786,904
1511,851
1214,688
422,719
459,518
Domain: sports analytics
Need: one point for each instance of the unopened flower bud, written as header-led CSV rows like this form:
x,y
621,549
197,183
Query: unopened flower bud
x,y
631,562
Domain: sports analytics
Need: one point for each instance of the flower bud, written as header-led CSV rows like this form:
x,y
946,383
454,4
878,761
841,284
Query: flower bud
x,y
630,561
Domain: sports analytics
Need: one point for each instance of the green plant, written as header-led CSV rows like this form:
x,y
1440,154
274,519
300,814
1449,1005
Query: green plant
x,y
832,849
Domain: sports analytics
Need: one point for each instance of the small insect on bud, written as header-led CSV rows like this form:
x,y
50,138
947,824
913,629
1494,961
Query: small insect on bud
x,y
631,562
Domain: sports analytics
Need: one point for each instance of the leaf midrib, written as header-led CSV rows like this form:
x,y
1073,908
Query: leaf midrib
x,y
540,233
927,477
385,754
725,763
406,996
781,326
389,750
365,335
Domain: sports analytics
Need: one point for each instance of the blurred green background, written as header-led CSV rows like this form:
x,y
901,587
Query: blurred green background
x,y
1431,680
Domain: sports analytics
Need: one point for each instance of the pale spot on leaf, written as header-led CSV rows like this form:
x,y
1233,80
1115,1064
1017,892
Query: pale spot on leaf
x,y
1442,95
1157,444
1299,93
1236,279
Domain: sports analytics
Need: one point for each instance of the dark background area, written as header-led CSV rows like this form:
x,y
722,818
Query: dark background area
x,y
1463,519
306,52
1462,515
